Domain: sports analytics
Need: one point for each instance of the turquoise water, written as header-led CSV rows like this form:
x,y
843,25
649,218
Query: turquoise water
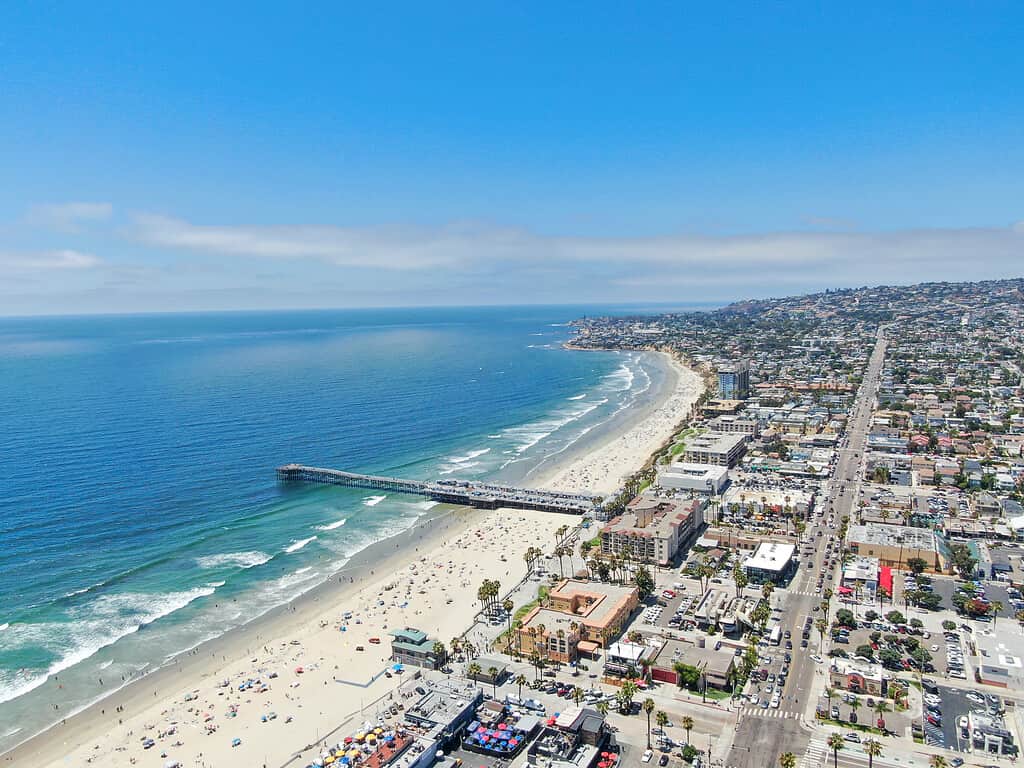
x,y
139,512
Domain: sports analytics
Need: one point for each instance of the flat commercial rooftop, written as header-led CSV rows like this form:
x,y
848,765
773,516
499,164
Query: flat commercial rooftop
x,y
893,536
771,556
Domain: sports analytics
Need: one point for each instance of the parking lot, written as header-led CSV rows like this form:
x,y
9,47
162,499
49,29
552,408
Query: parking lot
x,y
884,639
946,709
843,710
946,588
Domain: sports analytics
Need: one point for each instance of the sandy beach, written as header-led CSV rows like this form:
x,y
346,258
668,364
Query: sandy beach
x,y
604,467
286,680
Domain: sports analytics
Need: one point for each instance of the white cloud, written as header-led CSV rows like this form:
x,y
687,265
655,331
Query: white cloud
x,y
65,259
68,217
480,248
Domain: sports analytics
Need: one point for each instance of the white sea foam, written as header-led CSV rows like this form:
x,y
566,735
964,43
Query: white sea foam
x,y
621,380
105,664
216,584
97,624
295,546
452,468
332,526
469,456
237,559
372,501
4,626
577,397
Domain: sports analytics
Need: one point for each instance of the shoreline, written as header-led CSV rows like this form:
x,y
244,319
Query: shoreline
x,y
627,444
202,660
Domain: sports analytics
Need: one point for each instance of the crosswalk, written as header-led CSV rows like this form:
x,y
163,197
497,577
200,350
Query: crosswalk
x,y
804,592
778,714
815,754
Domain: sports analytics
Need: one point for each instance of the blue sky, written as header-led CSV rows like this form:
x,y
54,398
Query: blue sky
x,y
252,156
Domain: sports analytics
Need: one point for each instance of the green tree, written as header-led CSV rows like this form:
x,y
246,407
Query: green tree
x,y
661,718
855,704
644,582
648,707
440,654
520,681
474,671
835,743
873,749
917,564
688,676
880,709
687,723
739,576
938,761
994,608
895,617
822,626
787,760
625,696
845,618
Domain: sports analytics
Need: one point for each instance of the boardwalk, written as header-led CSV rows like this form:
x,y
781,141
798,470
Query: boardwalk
x,y
465,492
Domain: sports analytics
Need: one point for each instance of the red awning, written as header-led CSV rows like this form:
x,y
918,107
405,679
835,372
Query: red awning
x,y
845,591
885,578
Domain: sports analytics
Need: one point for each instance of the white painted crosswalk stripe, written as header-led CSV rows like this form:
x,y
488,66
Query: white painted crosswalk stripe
x,y
775,713
815,755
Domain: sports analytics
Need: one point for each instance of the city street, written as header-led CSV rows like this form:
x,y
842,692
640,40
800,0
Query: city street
x,y
764,734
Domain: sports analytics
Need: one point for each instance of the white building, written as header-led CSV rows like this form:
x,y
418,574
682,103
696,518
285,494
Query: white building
x,y
773,561
698,478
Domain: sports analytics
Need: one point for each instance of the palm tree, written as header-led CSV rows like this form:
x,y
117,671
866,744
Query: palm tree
x,y
835,743
645,667
938,761
577,695
520,681
822,626
648,707
626,694
880,709
687,723
661,718
855,704
994,609
602,707
829,693
493,673
787,760
739,576
873,749
474,671
440,655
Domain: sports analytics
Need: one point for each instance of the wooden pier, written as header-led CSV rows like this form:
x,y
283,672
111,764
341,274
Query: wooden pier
x,y
464,492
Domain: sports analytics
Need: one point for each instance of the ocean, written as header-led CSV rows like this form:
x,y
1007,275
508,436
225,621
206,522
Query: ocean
x,y
139,511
